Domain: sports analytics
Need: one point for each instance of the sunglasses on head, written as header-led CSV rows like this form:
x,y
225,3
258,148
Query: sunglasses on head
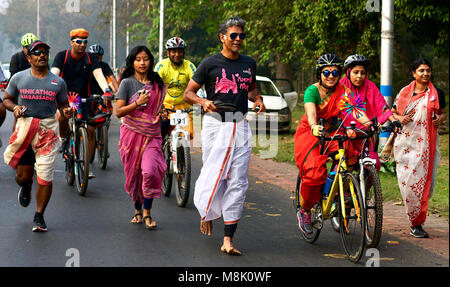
x,y
80,41
327,73
39,52
234,36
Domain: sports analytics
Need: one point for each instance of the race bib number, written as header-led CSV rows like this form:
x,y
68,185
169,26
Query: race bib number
x,y
181,119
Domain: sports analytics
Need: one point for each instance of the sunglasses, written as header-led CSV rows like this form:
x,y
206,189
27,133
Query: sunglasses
x,y
39,52
327,73
234,36
80,41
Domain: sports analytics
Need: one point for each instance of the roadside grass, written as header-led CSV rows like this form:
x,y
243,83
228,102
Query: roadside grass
x,y
439,203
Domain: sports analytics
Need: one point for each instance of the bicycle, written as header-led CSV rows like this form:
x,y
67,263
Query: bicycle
x,y
370,187
102,121
76,149
350,210
176,150
76,153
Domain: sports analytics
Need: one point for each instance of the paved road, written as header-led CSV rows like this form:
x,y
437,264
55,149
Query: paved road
x,y
97,226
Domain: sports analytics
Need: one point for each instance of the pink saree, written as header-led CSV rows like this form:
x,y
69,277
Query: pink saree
x,y
415,148
140,147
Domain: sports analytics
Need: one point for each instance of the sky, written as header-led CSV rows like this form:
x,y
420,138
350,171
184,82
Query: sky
x,y
3,5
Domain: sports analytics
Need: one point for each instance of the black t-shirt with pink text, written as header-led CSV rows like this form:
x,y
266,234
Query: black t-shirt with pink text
x,y
227,80
40,96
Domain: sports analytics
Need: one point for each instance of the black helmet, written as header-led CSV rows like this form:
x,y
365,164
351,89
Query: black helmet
x,y
96,49
354,60
328,60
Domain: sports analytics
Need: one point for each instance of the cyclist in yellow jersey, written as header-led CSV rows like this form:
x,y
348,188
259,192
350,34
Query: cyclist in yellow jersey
x,y
176,73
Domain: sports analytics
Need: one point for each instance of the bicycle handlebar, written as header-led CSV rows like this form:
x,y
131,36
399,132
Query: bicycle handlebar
x,y
186,110
366,134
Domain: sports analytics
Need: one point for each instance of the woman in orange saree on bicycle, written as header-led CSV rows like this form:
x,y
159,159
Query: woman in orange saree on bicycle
x,y
324,99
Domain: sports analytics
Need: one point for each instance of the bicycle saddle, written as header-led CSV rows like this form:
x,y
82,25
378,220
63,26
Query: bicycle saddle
x,y
225,107
98,120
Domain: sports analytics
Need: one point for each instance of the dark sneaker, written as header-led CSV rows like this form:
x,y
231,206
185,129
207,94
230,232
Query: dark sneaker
x,y
304,221
39,223
24,195
418,232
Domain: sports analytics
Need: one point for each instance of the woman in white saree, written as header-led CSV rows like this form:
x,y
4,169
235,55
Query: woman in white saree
x,y
416,147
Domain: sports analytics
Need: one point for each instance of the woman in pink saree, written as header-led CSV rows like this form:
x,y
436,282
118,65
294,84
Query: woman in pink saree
x,y
365,96
139,102
416,148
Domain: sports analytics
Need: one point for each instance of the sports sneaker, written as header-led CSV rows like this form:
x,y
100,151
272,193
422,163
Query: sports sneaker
x,y
304,221
24,195
91,175
39,223
418,232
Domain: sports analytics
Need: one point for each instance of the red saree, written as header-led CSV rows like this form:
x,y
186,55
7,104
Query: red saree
x,y
311,164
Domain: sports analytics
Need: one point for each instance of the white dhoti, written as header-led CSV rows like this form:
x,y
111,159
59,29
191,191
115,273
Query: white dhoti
x,y
43,137
220,189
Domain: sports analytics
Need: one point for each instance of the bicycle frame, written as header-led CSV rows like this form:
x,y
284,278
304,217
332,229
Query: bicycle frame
x,y
176,135
338,180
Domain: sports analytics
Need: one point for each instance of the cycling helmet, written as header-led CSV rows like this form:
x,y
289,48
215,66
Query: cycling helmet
x,y
175,42
27,39
354,60
96,49
328,60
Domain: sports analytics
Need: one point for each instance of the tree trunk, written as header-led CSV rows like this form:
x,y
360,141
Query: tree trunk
x,y
283,71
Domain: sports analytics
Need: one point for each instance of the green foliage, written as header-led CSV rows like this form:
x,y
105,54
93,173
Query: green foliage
x,y
388,167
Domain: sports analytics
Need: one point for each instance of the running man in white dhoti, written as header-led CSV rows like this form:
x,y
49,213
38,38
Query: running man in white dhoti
x,y
230,81
35,140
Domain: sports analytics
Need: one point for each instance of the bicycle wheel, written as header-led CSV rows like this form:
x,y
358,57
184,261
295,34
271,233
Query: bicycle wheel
x,y
69,160
374,207
352,229
168,178
102,146
183,182
81,160
316,216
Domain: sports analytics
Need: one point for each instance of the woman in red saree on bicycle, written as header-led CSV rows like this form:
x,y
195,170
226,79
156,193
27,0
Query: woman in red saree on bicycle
x,y
324,99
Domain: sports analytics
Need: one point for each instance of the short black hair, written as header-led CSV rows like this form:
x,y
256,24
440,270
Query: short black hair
x,y
232,21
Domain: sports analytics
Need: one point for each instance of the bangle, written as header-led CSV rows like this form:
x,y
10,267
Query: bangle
x,y
136,103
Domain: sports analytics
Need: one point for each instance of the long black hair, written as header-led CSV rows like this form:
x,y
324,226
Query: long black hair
x,y
129,66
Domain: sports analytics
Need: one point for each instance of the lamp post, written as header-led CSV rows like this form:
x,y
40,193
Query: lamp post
x,y
161,28
37,21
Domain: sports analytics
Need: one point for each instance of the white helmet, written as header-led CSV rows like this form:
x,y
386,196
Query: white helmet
x,y
175,42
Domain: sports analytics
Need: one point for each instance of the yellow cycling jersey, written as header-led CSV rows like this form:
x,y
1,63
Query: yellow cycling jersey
x,y
176,78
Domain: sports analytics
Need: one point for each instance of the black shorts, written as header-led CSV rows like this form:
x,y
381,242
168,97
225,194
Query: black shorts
x,y
28,158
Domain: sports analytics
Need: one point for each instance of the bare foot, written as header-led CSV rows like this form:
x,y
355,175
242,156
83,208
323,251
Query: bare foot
x,y
206,227
229,249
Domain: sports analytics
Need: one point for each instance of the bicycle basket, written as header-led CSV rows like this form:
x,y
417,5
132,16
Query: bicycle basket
x,y
98,120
